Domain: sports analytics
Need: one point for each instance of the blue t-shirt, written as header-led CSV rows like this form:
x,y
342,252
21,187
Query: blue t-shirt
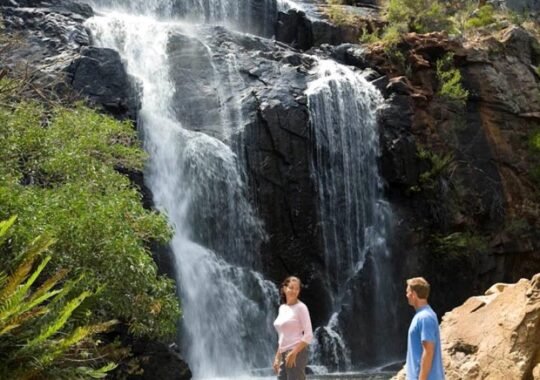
x,y
424,327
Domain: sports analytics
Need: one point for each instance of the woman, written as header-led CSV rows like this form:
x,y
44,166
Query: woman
x,y
295,333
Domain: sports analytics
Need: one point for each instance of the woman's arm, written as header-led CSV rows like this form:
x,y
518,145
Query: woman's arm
x,y
290,360
277,361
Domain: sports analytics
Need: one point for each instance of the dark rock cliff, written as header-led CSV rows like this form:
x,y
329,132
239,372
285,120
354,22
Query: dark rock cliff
x,y
458,177
475,221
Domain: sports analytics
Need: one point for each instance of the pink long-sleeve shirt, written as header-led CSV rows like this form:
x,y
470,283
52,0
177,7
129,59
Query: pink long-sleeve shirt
x,y
293,326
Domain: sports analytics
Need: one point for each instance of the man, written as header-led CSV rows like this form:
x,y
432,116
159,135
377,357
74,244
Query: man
x,y
424,359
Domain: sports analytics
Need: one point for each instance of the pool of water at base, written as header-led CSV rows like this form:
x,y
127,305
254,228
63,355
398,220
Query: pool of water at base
x,y
381,375
354,376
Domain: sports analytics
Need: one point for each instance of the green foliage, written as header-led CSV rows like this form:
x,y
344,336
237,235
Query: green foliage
x,y
368,38
38,339
484,16
534,141
339,15
458,244
439,165
421,16
389,36
392,35
450,81
57,173
534,146
453,17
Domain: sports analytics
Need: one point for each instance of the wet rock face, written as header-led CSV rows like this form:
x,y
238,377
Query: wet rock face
x,y
294,28
251,91
156,360
99,75
48,37
53,44
50,28
489,191
520,5
299,31
60,6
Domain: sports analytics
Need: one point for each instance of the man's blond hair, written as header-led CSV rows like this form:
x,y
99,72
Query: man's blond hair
x,y
420,286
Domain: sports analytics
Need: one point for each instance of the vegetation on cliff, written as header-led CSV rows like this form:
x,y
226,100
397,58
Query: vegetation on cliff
x,y
464,164
59,174
38,336
455,17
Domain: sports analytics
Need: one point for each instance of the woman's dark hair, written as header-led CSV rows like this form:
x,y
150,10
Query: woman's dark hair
x,y
282,297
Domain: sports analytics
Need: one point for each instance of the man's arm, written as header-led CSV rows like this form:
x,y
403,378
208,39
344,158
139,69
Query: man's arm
x,y
427,359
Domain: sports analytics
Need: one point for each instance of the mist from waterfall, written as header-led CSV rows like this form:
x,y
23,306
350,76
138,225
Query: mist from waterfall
x,y
354,216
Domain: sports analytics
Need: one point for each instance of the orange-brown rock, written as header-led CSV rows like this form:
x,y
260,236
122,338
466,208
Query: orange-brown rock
x,y
488,192
495,336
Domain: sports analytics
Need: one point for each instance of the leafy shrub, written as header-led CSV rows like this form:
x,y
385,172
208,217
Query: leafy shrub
x,y
450,81
454,16
458,244
534,145
38,339
57,173
484,16
420,16
439,166
339,15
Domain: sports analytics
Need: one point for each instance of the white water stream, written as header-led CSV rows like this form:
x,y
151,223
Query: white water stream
x,y
198,180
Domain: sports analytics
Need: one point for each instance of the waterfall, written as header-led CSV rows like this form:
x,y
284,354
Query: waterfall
x,y
354,216
253,16
192,128
197,181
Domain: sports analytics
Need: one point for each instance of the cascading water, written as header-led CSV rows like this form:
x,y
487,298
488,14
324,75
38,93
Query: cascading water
x,y
342,108
192,129
354,216
253,16
195,179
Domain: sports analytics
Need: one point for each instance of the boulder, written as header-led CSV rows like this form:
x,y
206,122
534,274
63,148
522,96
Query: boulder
x,y
47,34
304,30
159,361
519,5
99,75
495,336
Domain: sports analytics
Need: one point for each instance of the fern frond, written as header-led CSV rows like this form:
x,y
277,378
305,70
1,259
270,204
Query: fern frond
x,y
99,373
3,279
16,278
103,327
22,318
81,333
59,347
36,273
16,300
38,246
5,225
49,284
57,324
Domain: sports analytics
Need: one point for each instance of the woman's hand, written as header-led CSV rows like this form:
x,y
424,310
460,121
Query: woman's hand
x,y
290,360
275,365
